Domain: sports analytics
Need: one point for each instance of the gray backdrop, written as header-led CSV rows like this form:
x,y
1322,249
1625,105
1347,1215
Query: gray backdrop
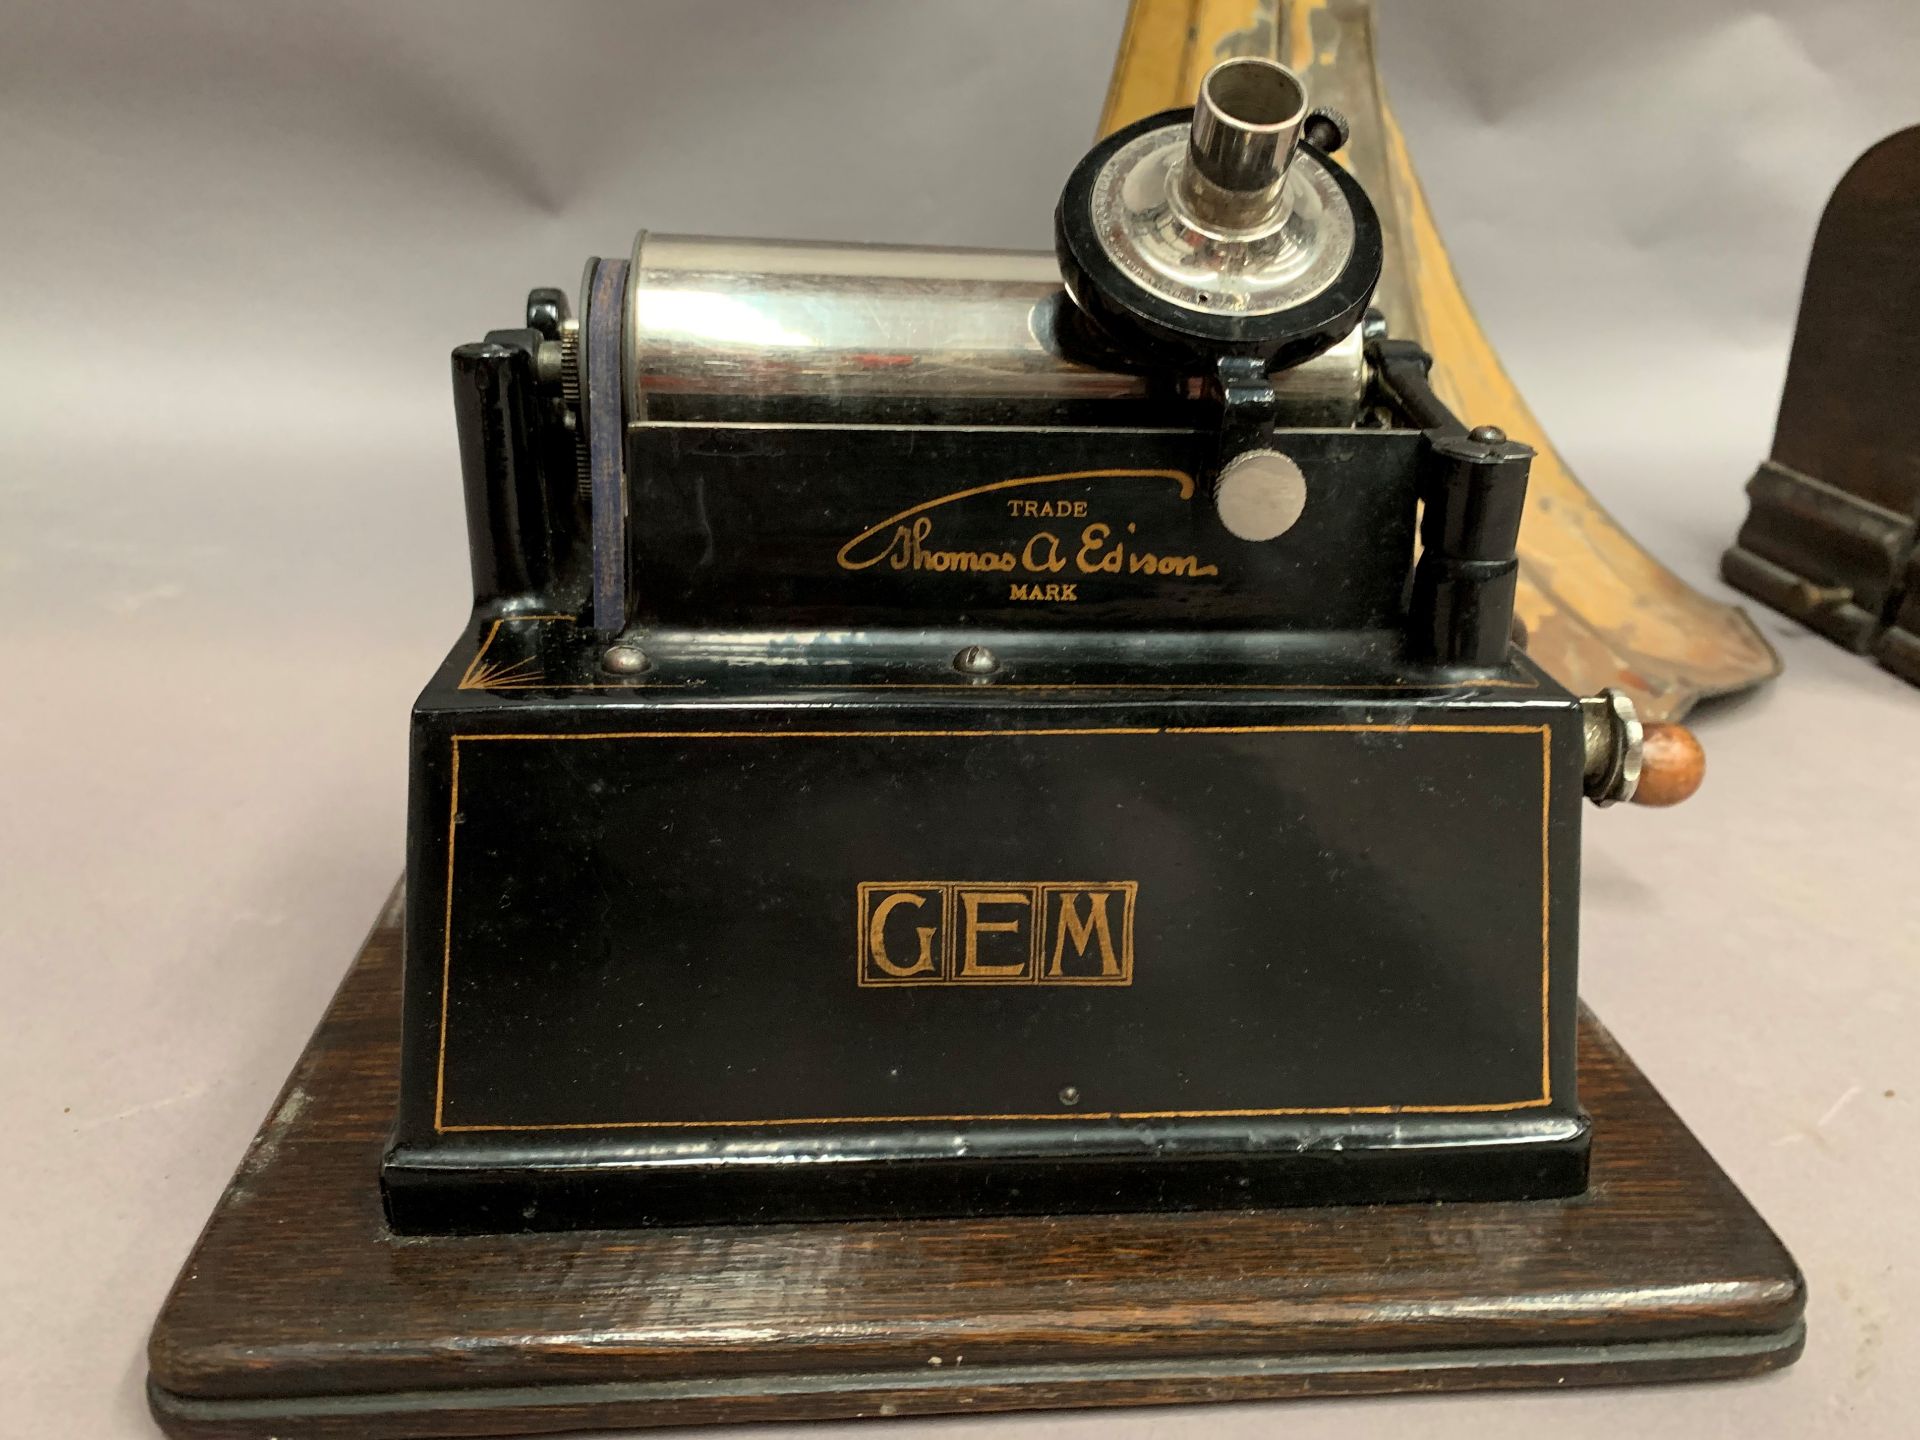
x,y
236,243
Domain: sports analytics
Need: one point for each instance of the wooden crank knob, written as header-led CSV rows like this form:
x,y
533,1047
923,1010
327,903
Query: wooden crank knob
x,y
1672,765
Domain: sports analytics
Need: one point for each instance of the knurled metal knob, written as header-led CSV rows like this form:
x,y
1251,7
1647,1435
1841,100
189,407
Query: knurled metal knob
x,y
1260,494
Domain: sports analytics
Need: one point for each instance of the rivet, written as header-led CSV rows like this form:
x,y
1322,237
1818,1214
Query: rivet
x,y
976,660
625,660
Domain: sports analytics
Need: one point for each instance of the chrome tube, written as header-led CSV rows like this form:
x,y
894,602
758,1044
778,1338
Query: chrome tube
x,y
1246,125
1246,122
784,331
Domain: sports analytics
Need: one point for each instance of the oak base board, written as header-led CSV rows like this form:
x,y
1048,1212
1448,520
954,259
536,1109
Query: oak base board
x,y
299,1314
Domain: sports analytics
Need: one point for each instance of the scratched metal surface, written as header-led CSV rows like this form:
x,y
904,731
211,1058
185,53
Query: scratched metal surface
x,y
230,549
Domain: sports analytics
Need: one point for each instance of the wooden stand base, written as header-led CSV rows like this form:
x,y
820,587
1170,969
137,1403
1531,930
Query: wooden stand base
x,y
298,1314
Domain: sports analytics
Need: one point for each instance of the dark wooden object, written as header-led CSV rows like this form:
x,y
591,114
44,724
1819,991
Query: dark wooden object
x,y
298,1314
1833,529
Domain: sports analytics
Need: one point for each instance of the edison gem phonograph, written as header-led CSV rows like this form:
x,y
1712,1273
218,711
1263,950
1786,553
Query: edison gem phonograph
x,y
990,821
952,732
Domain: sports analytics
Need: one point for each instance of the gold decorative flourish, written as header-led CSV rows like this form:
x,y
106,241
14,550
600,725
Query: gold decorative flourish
x,y
495,675
485,674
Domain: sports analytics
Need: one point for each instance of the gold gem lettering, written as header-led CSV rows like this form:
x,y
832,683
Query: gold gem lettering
x,y
1073,928
877,938
971,966
968,933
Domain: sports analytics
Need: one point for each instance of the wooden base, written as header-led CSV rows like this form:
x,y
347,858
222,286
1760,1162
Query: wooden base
x,y
299,1314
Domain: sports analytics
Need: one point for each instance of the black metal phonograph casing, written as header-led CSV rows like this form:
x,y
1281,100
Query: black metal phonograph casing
x,y
951,732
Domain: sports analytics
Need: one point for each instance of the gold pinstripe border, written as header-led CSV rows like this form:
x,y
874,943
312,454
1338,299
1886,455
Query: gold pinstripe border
x,y
1545,1097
